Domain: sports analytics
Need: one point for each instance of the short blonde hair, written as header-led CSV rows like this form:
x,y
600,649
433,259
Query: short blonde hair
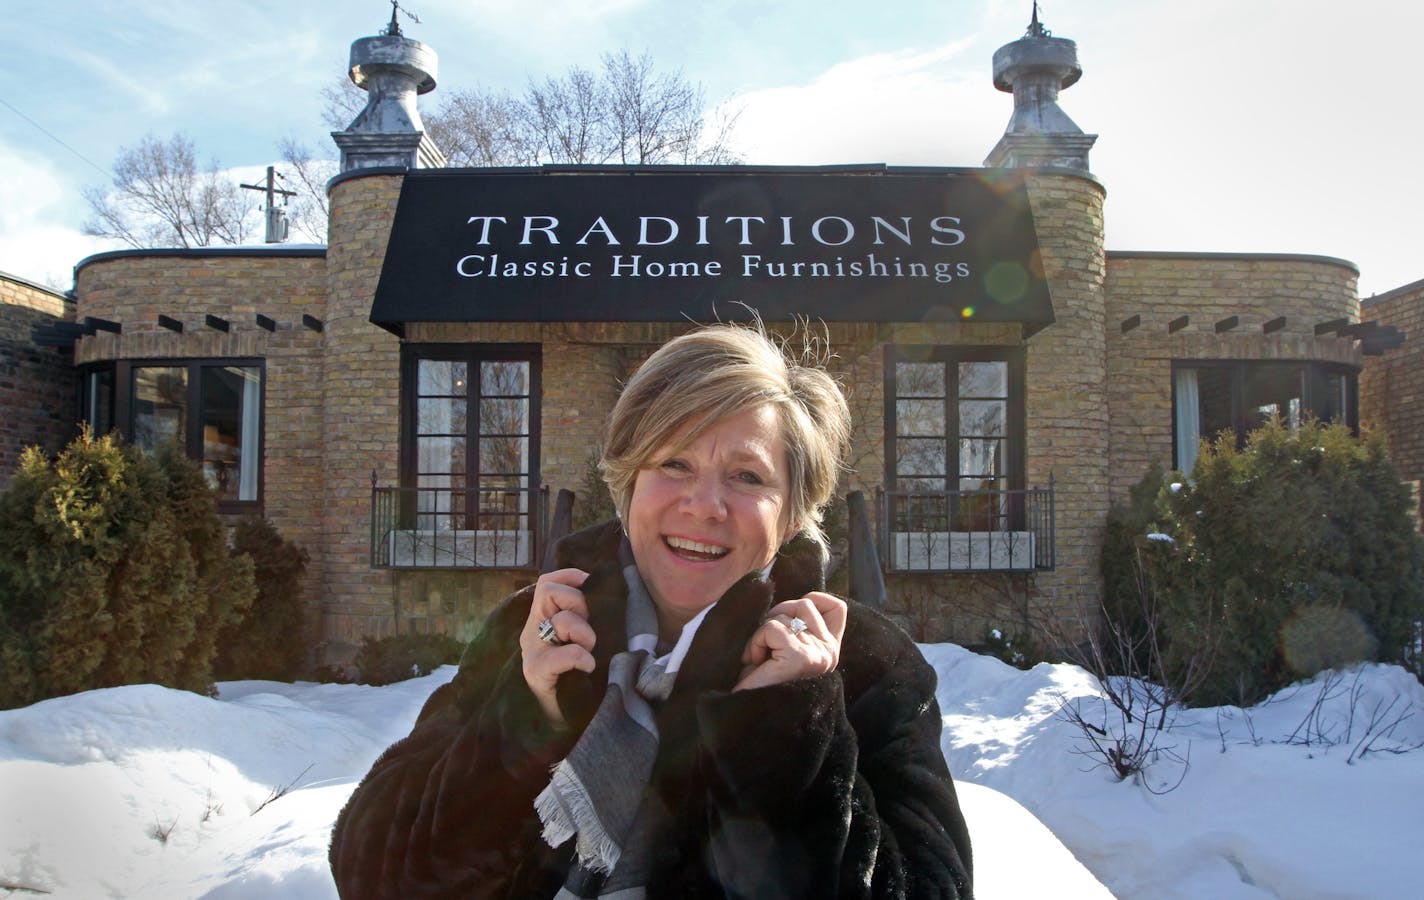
x,y
718,371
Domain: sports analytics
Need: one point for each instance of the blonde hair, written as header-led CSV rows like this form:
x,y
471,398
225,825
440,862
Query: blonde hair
x,y
718,371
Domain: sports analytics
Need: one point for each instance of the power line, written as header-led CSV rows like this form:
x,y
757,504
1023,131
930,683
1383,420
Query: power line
x,y
52,137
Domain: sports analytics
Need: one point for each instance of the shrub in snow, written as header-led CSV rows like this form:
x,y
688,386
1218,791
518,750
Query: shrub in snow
x,y
1020,651
114,569
1294,553
269,642
403,656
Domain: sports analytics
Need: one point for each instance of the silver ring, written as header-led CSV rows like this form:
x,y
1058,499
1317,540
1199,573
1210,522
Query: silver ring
x,y
796,625
548,635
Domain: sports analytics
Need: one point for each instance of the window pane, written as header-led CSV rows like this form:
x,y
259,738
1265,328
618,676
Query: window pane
x,y
440,415
980,458
1214,400
983,418
504,503
919,379
440,503
920,417
1330,405
920,456
1273,390
507,379
504,417
160,405
99,407
440,455
984,379
441,377
503,456
926,485
231,398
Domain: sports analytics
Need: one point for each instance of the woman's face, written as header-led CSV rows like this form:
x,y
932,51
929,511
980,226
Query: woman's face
x,y
702,517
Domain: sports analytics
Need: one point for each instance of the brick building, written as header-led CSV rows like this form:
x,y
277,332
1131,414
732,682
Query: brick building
x,y
407,407
1392,387
37,381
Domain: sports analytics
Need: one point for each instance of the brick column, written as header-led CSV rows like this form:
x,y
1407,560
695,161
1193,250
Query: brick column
x,y
361,425
1066,398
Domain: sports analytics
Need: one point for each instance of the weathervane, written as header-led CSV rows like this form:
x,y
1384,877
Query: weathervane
x,y
394,28
1035,28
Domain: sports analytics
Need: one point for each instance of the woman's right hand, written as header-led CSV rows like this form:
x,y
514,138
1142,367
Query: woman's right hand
x,y
557,598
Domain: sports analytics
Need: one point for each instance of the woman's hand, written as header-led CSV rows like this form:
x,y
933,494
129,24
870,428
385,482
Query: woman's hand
x,y
780,651
557,598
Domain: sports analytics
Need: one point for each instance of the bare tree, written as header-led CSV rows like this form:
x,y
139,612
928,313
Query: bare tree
x,y
161,198
628,112
308,213
478,128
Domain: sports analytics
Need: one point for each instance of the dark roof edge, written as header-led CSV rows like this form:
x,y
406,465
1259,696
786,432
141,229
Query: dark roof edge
x,y
20,279
199,252
1394,292
698,169
1244,257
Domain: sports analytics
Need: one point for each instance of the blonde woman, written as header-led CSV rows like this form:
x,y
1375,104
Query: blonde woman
x,y
681,710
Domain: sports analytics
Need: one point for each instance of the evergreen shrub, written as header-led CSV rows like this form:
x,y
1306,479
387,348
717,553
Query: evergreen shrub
x,y
270,641
114,569
1295,553
396,658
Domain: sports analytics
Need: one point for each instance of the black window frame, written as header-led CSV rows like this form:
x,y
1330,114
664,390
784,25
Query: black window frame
x,y
412,353
1015,426
1314,383
121,407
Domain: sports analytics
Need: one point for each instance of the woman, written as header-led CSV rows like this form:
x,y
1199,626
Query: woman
x,y
717,725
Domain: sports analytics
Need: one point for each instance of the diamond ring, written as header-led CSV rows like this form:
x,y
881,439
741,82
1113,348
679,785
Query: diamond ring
x,y
797,625
548,635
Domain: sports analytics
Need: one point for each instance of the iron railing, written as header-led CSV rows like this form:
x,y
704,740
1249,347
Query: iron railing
x,y
968,531
444,528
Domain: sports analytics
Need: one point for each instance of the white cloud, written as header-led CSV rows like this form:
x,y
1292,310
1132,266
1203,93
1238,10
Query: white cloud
x,y
40,237
903,108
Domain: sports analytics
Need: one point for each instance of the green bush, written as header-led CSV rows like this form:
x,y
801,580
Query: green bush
x,y
270,641
1296,552
402,656
114,569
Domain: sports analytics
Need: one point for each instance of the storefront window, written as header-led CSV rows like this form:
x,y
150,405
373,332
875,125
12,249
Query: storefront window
x,y
470,452
1237,396
212,409
955,415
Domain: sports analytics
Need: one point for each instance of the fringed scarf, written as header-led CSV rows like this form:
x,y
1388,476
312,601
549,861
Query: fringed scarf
x,y
597,792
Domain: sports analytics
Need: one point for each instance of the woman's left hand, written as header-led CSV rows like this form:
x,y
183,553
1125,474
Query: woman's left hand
x,y
780,651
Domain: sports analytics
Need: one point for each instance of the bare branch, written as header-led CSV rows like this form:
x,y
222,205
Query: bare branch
x,y
160,198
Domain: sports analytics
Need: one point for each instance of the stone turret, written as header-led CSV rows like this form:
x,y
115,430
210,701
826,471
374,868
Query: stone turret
x,y
1034,69
393,70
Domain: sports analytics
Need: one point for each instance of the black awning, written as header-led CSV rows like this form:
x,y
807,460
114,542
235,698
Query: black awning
x,y
655,245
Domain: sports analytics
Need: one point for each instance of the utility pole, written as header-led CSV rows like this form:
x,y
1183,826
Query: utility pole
x,y
276,215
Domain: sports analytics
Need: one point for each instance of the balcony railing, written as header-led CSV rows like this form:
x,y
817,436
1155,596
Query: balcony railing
x,y
967,531
443,528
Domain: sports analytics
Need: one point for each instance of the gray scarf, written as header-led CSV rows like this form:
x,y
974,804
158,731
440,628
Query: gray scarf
x,y
599,791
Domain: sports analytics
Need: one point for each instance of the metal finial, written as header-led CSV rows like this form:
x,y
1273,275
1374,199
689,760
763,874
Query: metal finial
x,y
393,28
1035,28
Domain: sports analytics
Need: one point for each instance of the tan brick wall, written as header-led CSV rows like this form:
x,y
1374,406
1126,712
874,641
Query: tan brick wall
x,y
1067,403
1392,386
1207,288
136,290
361,410
38,385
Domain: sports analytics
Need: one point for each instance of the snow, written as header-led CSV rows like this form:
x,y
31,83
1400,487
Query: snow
x,y
149,792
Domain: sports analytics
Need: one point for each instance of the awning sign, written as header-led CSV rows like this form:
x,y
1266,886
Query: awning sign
x,y
653,245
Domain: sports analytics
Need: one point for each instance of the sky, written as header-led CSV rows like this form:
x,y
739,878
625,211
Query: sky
x,y
1285,126
144,791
